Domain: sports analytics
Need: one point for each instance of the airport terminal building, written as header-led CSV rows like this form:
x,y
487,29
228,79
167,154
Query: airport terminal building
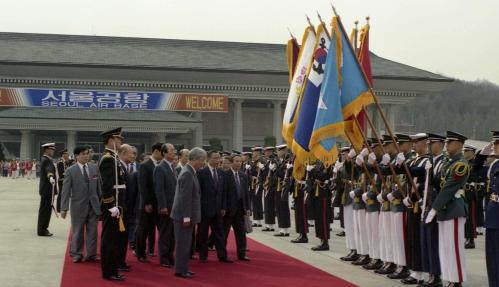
x,y
67,89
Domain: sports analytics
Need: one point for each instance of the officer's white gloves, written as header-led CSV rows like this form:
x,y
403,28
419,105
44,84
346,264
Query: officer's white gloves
x,y
386,159
372,158
337,166
310,167
115,212
352,194
359,160
247,166
400,159
407,202
428,165
260,165
430,216
289,165
380,198
52,180
272,166
364,152
364,197
351,153
390,197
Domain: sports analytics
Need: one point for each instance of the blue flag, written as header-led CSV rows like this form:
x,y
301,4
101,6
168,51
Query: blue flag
x,y
310,98
328,123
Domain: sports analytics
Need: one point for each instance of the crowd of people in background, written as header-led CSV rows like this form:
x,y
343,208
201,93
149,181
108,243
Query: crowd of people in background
x,y
16,168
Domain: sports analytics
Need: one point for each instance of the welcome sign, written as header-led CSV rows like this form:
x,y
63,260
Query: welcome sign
x,y
111,99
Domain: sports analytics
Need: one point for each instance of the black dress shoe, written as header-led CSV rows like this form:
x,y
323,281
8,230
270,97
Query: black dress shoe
x,y
114,278
286,234
300,239
225,260
280,234
77,259
470,245
363,260
266,229
388,269
321,247
192,273
184,275
92,259
143,260
166,265
245,258
340,234
254,225
352,256
435,282
409,281
151,254
401,274
373,265
45,233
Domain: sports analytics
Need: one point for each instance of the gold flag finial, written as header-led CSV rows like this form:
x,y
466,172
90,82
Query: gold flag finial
x,y
308,20
334,10
320,18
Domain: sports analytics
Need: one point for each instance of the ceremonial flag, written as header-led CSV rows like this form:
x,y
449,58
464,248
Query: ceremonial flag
x,y
328,123
297,85
355,90
310,98
292,51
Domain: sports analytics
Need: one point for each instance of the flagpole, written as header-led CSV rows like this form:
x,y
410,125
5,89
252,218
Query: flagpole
x,y
376,166
394,174
376,103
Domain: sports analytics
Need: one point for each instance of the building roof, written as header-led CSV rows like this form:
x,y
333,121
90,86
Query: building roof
x,y
53,49
90,114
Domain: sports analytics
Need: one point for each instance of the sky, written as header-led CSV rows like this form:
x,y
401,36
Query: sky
x,y
456,38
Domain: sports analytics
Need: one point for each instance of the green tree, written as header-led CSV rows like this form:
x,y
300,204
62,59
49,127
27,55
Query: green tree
x,y
216,144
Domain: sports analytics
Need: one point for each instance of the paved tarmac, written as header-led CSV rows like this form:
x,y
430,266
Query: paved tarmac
x,y
29,260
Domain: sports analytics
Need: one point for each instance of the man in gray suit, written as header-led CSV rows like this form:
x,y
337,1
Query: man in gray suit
x,y
82,188
165,182
186,210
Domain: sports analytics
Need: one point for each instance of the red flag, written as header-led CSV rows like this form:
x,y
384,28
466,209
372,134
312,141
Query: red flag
x,y
365,62
292,51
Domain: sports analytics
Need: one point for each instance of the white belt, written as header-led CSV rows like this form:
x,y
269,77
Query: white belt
x,y
119,186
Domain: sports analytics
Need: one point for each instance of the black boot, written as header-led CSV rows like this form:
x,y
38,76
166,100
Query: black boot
x,y
374,264
409,281
388,269
363,260
324,246
400,274
300,239
341,234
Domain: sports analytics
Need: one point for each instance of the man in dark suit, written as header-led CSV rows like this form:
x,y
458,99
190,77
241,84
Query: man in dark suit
x,y
149,204
213,202
132,199
48,179
186,211
165,181
238,205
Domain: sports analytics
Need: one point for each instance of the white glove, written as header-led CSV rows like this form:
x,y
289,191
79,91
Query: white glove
x,y
248,167
400,159
272,166
430,216
352,194
386,159
390,197
289,165
338,165
364,152
115,212
372,158
260,165
310,167
407,202
428,165
364,197
359,160
352,153
52,180
380,198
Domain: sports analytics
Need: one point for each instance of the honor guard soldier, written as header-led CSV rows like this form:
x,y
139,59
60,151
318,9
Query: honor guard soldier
x,y
62,164
347,175
299,195
256,185
284,185
270,181
320,195
47,189
112,187
450,209
492,215
471,190
429,236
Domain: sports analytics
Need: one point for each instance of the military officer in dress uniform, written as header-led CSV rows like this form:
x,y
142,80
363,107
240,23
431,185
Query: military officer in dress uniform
x,y
492,212
112,187
256,186
48,180
299,195
269,178
284,185
320,195
62,164
450,209
429,232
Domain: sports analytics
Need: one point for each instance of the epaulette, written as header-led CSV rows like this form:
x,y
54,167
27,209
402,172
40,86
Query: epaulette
x,y
107,155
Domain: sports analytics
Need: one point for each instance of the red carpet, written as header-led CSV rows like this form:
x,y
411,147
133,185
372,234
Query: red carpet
x,y
267,267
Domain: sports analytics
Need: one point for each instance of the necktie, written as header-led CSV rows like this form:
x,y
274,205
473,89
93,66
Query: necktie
x,y
215,176
238,185
85,174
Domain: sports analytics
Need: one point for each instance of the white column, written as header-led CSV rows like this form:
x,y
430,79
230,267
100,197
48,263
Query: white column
x,y
278,121
158,138
237,130
70,141
197,132
25,152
